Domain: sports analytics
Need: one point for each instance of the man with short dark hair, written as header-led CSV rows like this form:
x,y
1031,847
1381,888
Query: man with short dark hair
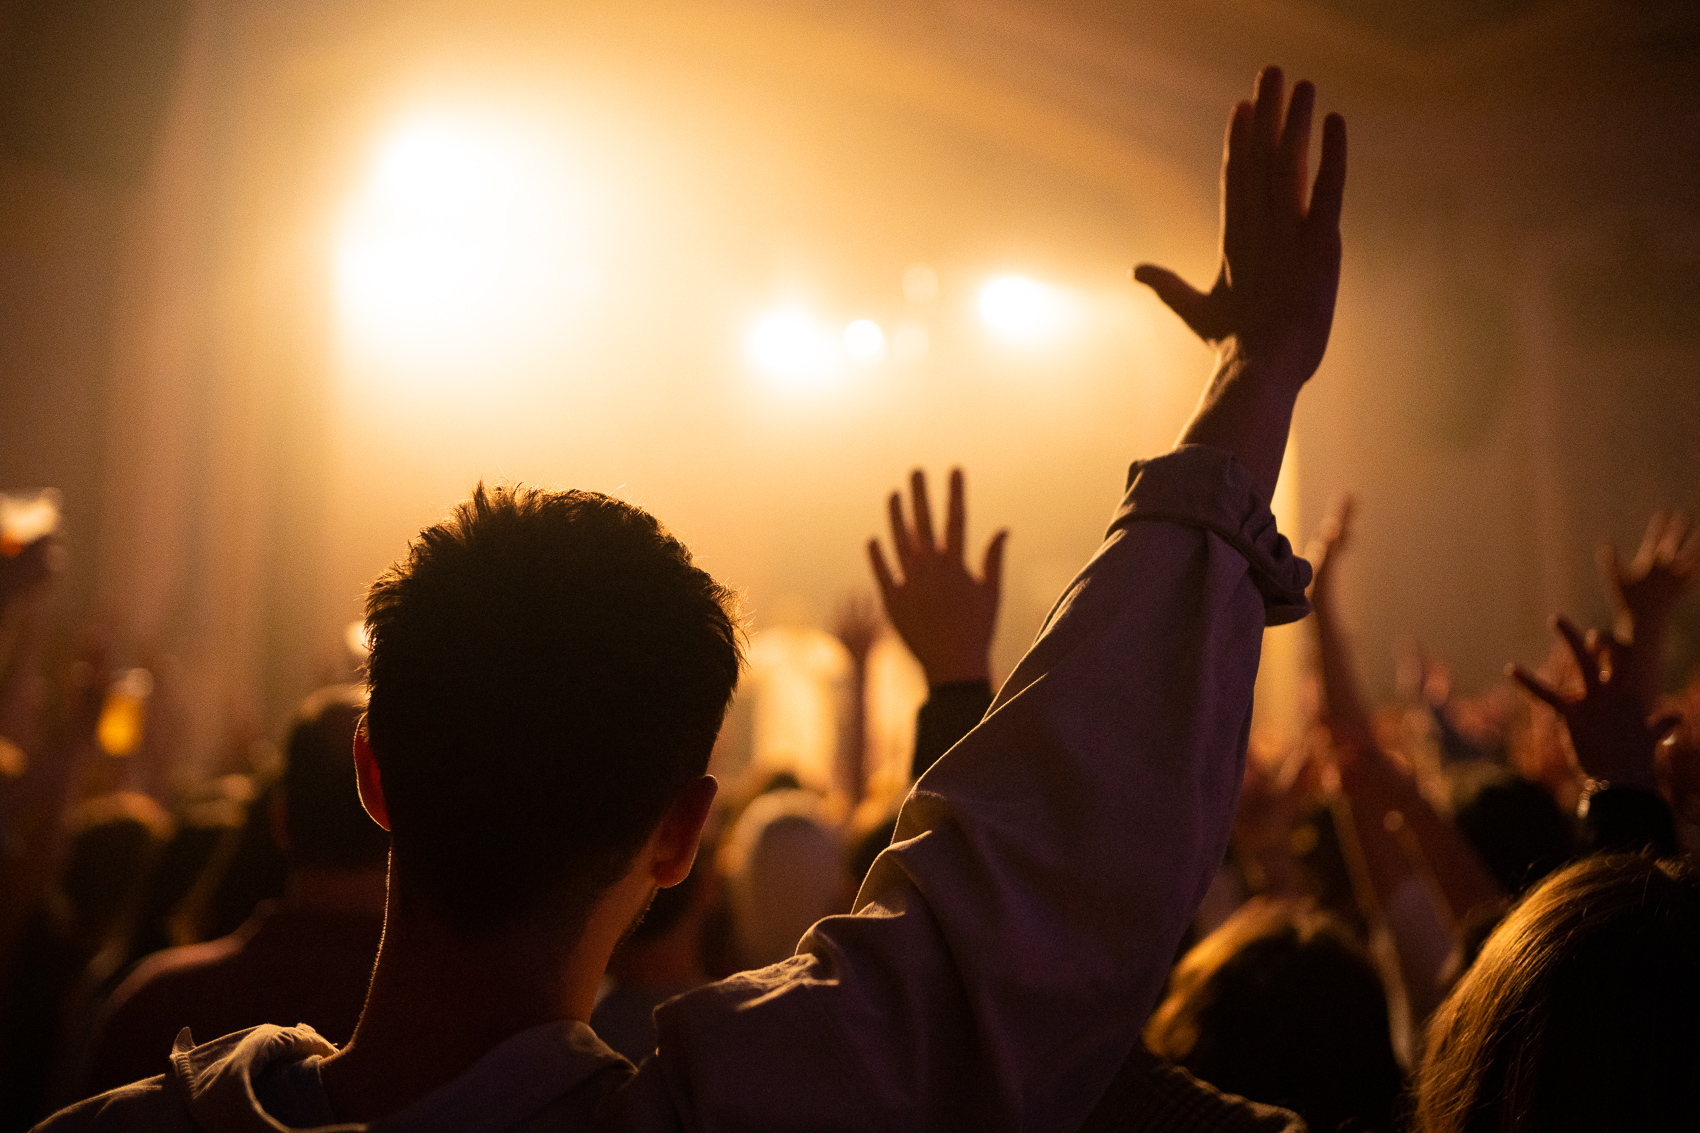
x,y
548,672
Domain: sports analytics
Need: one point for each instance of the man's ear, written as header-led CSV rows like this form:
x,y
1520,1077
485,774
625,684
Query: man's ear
x,y
366,777
680,833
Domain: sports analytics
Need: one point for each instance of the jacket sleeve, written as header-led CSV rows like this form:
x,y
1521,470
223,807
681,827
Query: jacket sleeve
x,y
1006,949
950,712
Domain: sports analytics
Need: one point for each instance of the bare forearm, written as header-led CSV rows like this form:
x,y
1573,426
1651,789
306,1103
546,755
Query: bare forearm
x,y
1246,410
1345,714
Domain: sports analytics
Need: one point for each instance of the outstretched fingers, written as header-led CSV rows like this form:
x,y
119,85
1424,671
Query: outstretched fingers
x,y
924,539
991,569
1266,118
955,518
1293,157
1192,305
1687,561
902,541
882,572
1330,189
1537,688
1586,657
1242,181
1676,532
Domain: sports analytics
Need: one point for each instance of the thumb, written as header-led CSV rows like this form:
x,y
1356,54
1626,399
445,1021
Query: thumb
x,y
991,572
1178,295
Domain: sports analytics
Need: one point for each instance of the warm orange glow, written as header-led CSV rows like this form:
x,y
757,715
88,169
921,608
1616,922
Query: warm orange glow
x,y
864,342
462,247
124,714
795,349
1022,309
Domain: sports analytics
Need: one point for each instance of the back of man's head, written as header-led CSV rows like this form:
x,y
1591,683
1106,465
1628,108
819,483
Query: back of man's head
x,y
548,670
327,827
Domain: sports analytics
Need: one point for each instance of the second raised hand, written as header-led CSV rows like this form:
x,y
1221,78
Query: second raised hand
x,y
944,614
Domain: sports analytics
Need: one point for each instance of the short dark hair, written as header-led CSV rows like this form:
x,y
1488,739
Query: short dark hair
x,y
548,670
328,828
1582,1011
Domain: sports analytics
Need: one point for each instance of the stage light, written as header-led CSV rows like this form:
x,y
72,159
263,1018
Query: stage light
x,y
460,248
1022,309
793,348
864,341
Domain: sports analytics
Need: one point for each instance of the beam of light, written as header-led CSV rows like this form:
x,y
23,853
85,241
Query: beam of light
x,y
460,248
1022,309
794,349
864,341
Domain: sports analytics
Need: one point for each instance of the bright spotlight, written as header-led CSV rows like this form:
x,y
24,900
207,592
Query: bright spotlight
x,y
460,247
1022,309
864,341
793,347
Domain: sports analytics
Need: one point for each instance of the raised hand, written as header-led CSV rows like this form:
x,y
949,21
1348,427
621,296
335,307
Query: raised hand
x,y
857,627
1610,732
1330,543
944,614
1272,303
1644,593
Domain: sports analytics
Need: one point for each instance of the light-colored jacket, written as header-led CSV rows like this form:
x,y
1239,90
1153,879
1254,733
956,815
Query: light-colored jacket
x,y
1005,950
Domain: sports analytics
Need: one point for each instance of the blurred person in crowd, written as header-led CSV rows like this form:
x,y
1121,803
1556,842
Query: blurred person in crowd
x,y
74,939
549,670
1282,1006
306,959
1581,1013
1516,826
784,869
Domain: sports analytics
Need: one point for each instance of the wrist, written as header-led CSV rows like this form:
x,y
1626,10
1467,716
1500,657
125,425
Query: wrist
x,y
957,670
1239,361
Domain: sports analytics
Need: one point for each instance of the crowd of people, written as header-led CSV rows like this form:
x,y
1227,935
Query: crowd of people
x,y
492,887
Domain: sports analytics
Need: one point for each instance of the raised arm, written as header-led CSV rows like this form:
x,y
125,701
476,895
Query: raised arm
x,y
1009,945
1404,842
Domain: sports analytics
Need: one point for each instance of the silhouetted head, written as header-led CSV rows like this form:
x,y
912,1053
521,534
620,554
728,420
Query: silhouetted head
x,y
1581,1013
115,840
1281,1006
548,670
1515,825
784,866
327,828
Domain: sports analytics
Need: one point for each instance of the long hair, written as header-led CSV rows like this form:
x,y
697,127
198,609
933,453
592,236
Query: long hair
x,y
1581,1013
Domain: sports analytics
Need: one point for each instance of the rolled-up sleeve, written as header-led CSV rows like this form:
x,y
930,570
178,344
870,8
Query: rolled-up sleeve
x,y
1007,948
